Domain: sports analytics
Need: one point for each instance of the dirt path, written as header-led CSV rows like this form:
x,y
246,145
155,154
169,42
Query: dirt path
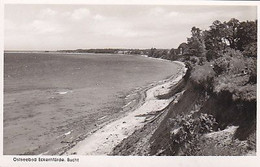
x,y
105,139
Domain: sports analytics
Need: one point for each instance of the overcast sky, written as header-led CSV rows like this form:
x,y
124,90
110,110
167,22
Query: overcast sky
x,y
52,27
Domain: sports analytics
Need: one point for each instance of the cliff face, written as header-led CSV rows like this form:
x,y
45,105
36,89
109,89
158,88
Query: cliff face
x,y
197,114
198,122
160,140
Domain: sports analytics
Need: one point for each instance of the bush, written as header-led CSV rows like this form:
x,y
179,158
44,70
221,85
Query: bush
x,y
251,69
221,65
251,50
231,62
203,76
202,60
236,75
211,55
194,60
186,130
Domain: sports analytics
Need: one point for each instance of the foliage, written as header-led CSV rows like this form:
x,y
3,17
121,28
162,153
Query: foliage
x,y
109,51
196,45
158,53
231,62
250,50
247,33
222,58
203,76
152,52
221,61
232,34
214,41
236,75
172,55
186,130
231,47
251,69
237,86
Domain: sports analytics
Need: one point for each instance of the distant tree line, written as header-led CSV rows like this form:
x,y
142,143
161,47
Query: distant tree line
x,y
109,51
169,54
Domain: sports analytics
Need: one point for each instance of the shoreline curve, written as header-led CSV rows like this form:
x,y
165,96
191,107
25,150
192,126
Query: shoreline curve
x,y
103,140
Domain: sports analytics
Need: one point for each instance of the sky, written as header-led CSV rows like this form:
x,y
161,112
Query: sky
x,y
56,27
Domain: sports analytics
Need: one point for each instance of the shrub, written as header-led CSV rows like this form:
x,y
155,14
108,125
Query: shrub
x,y
211,55
251,69
251,50
203,76
231,62
221,65
236,75
201,61
186,130
194,60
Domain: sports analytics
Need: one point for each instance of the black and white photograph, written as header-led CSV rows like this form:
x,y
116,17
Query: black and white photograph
x,y
129,80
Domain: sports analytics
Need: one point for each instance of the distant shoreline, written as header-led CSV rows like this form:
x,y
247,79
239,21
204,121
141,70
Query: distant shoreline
x,y
59,52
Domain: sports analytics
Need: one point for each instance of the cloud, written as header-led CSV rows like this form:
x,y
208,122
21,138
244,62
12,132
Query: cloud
x,y
79,14
140,26
173,14
112,26
122,32
42,27
47,13
157,11
99,17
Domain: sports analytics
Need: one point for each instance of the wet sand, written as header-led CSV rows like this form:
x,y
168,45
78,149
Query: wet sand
x,y
52,101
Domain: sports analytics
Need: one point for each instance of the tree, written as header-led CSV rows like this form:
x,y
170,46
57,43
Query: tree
x,y
182,48
196,44
152,52
172,54
250,50
247,33
215,42
231,32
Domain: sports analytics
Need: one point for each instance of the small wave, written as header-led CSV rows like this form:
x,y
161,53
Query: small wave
x,y
44,153
67,133
128,104
130,95
102,118
63,92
